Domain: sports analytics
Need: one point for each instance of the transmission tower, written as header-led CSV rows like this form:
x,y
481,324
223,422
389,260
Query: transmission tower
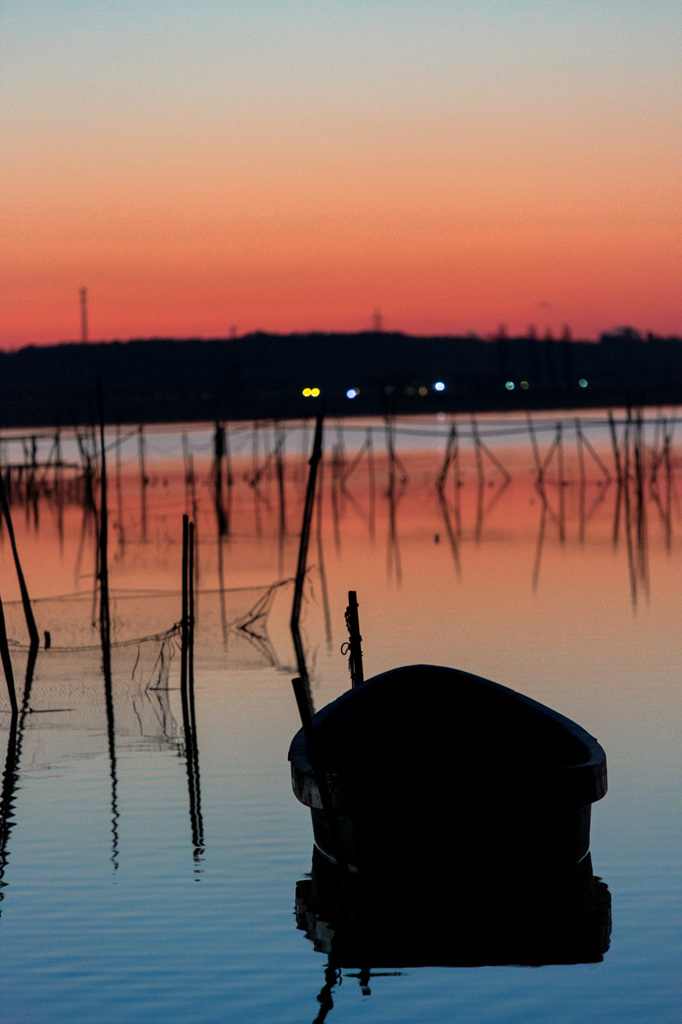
x,y
84,315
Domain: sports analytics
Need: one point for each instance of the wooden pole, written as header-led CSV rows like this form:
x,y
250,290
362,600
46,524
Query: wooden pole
x,y
303,553
7,664
190,615
25,600
104,616
184,622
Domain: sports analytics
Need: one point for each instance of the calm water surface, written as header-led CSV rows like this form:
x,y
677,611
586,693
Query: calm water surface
x,y
138,885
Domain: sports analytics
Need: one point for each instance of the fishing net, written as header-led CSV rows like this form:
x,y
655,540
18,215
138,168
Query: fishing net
x,y
67,671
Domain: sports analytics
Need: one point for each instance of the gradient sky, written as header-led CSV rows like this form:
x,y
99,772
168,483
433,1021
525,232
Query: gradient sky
x,y
297,164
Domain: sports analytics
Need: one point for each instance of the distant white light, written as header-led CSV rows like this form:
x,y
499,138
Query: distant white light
x,y
509,385
582,382
439,386
352,393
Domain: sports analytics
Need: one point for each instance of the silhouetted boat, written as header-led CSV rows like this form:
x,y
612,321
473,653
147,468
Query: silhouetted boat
x,y
434,766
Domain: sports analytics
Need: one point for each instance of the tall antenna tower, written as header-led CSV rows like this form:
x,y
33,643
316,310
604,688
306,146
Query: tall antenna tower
x,y
84,315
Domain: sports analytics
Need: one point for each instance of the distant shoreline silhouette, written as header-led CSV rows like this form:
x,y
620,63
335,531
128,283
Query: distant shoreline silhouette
x,y
268,376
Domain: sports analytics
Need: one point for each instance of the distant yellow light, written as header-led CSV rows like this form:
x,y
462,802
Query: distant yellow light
x,y
423,391
525,385
307,392
314,392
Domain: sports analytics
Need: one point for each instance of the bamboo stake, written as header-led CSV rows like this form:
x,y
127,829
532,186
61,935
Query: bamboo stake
x,y
25,599
7,664
303,554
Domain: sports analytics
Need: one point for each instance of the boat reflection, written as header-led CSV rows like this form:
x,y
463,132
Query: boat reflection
x,y
526,915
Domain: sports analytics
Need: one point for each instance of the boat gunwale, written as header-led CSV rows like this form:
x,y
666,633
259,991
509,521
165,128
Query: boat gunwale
x,y
594,766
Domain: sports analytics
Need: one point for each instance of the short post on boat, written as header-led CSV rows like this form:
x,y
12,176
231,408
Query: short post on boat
x,y
353,648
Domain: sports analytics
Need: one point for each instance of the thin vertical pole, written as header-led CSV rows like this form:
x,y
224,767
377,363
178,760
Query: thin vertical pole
x,y
303,555
185,605
7,664
25,599
143,481
354,640
105,622
190,612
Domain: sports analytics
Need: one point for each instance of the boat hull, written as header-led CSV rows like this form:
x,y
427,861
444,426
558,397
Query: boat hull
x,y
486,774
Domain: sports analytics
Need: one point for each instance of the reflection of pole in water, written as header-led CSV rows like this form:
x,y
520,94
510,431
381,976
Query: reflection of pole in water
x,y
119,486
187,687
141,450
255,456
372,485
300,471
582,482
541,535
393,553
190,478
229,479
452,535
105,633
642,539
218,454
320,558
337,469
451,453
221,591
59,488
104,618
539,468
478,451
281,491
662,458
368,450
628,511
451,459
562,482
620,476
10,778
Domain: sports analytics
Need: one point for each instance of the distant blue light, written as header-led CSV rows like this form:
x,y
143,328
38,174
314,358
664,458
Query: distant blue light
x,y
582,382
439,386
509,385
352,393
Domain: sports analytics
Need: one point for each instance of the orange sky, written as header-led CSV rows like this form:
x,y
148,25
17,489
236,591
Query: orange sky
x,y
285,168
